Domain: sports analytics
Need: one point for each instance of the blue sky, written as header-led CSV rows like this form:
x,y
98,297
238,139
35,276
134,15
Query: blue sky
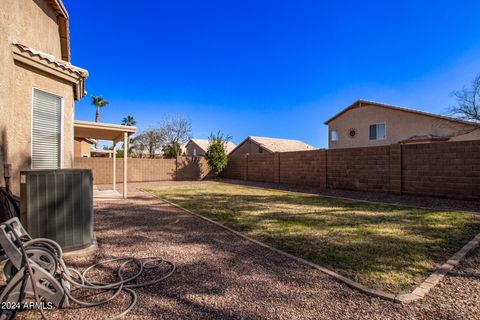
x,y
270,68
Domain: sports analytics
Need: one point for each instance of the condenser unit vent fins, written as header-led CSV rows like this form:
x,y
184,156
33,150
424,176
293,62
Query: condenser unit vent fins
x,y
58,204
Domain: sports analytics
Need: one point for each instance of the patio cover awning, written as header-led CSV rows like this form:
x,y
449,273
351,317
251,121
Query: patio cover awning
x,y
101,131
106,131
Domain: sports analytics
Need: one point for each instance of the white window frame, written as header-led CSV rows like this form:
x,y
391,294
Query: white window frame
x,y
376,124
331,135
62,126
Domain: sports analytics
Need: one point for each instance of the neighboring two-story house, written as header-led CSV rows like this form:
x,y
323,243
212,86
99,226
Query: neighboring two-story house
x,y
367,124
38,87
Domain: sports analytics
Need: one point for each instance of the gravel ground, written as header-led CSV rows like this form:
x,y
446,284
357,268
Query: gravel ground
x,y
222,276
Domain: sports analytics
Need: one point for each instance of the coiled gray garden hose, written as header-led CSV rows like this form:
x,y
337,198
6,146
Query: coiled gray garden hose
x,y
67,280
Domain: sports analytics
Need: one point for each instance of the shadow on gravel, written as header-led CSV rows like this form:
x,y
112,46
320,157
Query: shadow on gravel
x,y
222,276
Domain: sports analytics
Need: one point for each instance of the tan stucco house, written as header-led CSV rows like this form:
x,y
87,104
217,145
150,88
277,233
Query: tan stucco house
x,y
366,123
83,147
38,87
253,145
199,147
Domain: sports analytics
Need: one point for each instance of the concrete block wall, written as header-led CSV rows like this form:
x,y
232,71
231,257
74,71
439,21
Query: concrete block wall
x,y
447,169
442,169
102,168
144,170
192,168
362,169
236,168
395,167
303,168
261,167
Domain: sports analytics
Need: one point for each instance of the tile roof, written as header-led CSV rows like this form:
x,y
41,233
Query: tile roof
x,y
280,145
424,138
51,60
203,143
89,140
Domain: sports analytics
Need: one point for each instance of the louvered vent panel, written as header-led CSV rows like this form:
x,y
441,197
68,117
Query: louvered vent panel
x,y
46,131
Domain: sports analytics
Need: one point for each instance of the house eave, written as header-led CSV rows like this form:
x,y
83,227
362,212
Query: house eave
x,y
63,70
59,7
63,28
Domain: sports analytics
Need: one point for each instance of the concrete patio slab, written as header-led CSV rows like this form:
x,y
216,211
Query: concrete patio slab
x,y
106,195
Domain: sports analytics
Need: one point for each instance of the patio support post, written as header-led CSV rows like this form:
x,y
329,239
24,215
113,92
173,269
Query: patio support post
x,y
114,166
125,156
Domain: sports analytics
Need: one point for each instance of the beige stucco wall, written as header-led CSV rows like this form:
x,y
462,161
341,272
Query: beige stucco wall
x,y
32,23
192,146
400,125
81,148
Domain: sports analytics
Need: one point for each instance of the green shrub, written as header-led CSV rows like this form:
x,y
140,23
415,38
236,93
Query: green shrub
x,y
171,151
217,152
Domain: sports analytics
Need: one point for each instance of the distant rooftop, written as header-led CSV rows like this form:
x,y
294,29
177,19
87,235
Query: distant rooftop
x,y
203,143
281,145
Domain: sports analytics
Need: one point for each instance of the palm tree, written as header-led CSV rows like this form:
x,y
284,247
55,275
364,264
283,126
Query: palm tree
x,y
129,121
98,102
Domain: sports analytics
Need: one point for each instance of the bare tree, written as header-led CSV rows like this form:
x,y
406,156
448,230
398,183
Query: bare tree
x,y
138,150
468,102
177,130
173,131
151,140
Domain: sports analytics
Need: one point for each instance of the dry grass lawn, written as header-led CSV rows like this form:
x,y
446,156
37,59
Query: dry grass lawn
x,y
382,246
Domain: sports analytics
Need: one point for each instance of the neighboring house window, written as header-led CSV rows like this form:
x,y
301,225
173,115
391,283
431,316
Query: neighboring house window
x,y
46,131
194,152
377,131
334,135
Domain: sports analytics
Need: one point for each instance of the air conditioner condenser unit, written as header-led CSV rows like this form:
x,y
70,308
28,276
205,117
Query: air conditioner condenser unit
x,y
58,204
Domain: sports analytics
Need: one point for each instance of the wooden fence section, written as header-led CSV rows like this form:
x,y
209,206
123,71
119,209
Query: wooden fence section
x,y
447,169
144,170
